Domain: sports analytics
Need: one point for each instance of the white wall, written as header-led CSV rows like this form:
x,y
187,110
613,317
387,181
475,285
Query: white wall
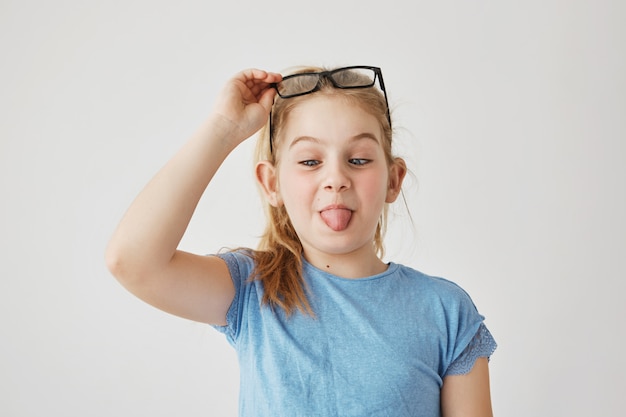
x,y
512,115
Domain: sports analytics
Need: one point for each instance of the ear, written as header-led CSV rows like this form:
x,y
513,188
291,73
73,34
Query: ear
x,y
397,172
268,181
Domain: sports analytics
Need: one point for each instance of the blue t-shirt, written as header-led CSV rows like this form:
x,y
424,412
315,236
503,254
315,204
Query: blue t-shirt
x,y
377,346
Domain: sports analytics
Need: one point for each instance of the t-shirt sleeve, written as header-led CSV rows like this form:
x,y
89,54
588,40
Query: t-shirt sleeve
x,y
240,266
467,336
482,345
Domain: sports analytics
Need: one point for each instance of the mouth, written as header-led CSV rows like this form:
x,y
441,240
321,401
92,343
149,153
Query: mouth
x,y
336,217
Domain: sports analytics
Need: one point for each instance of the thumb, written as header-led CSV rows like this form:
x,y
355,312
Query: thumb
x,y
267,99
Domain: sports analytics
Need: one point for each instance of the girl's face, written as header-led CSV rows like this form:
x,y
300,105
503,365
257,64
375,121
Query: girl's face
x,y
333,178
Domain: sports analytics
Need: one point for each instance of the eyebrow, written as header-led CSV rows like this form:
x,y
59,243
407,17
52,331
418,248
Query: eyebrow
x,y
360,136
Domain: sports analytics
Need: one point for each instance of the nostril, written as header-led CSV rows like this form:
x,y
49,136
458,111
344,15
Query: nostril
x,y
336,187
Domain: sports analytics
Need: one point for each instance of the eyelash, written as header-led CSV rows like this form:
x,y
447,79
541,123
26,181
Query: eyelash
x,y
310,163
361,161
353,161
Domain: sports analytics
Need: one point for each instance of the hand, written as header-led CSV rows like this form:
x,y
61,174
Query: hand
x,y
246,100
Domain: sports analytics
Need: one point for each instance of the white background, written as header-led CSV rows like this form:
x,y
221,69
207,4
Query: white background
x,y
512,116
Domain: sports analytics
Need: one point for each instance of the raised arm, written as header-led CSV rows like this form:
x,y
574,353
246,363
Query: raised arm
x,y
142,253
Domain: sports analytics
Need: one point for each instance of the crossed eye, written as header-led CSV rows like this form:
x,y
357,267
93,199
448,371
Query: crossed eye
x,y
353,161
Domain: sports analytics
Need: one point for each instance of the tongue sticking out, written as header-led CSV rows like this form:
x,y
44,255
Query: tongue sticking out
x,y
337,219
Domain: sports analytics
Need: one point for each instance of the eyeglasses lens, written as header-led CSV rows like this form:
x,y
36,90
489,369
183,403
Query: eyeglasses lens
x,y
354,78
299,84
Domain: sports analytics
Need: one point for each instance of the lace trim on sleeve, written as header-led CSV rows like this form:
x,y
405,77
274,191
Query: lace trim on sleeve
x,y
482,345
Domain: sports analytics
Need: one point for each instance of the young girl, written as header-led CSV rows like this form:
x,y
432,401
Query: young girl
x,y
321,326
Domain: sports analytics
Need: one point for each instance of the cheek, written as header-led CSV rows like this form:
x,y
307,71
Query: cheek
x,y
293,189
376,185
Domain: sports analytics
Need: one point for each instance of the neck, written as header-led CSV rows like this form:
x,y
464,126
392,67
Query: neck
x,y
350,265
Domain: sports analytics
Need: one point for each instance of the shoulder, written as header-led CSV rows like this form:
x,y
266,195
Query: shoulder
x,y
451,310
446,302
240,261
433,285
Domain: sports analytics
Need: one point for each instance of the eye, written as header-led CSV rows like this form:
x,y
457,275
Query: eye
x,y
309,163
359,161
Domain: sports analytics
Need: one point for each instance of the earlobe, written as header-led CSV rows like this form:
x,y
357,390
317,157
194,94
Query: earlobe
x,y
268,181
397,172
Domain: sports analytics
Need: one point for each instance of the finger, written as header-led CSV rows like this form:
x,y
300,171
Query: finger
x,y
252,74
267,99
259,75
273,77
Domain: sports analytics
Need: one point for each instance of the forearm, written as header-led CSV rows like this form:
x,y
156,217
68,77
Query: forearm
x,y
150,231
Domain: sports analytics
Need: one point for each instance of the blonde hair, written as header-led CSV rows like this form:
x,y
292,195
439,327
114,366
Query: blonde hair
x,y
278,257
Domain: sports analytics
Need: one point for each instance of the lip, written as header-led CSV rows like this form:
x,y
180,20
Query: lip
x,y
336,207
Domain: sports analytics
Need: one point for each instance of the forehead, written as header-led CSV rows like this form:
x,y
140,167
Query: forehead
x,y
330,117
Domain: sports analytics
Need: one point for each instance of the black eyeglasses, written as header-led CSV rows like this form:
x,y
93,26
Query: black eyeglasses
x,y
358,76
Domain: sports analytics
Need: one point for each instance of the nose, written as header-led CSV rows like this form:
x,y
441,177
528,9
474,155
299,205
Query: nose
x,y
336,177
